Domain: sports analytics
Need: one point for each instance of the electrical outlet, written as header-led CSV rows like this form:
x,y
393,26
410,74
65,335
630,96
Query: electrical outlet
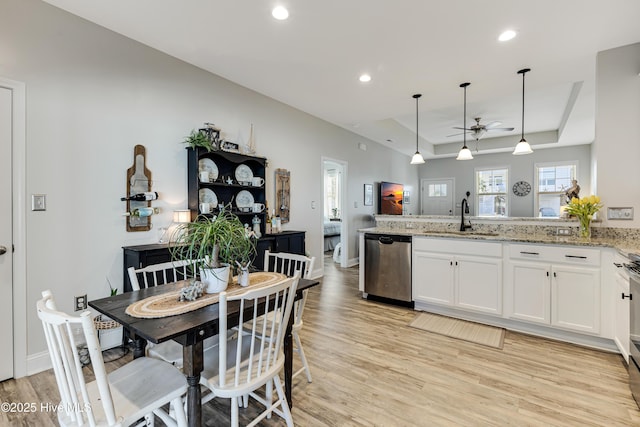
x,y
563,231
80,302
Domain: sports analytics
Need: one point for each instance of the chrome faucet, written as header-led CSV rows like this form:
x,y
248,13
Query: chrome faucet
x,y
464,208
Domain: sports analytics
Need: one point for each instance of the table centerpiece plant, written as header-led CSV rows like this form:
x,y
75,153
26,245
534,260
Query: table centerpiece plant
x,y
213,244
584,209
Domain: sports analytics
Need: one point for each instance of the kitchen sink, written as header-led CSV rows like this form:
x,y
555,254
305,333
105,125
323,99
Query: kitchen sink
x,y
465,233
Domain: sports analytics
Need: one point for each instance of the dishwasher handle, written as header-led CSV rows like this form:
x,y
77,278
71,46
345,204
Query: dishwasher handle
x,y
385,240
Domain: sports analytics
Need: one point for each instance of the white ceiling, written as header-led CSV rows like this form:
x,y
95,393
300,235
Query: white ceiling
x,y
312,61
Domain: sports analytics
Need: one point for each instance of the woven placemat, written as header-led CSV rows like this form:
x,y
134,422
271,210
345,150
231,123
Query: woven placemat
x,y
167,304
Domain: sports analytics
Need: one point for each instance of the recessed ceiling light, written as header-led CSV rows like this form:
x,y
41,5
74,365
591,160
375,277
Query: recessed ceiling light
x,y
280,13
507,35
365,78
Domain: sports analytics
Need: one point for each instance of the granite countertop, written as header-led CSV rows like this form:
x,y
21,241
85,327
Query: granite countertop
x,y
623,246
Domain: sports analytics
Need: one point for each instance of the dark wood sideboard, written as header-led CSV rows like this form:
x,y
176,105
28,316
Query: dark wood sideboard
x,y
143,255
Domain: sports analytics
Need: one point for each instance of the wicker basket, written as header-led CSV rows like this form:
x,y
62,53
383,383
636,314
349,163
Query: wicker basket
x,y
107,323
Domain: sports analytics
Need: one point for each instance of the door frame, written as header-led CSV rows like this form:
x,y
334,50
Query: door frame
x,y
343,202
19,203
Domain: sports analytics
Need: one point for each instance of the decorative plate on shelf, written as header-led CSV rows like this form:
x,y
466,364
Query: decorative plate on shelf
x,y
208,196
244,200
244,174
208,165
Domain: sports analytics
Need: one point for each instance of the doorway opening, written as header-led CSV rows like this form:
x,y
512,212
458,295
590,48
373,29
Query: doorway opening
x,y
334,215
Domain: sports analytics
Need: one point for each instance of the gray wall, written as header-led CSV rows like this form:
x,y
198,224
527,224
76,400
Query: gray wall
x,y
92,95
521,168
617,144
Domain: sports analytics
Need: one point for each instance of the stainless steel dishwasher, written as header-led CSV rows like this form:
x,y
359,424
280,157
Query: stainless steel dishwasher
x,y
387,272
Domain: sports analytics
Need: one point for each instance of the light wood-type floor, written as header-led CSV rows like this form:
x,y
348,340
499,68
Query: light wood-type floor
x,y
370,369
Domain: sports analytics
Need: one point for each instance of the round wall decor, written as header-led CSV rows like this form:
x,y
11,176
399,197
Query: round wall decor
x,y
521,188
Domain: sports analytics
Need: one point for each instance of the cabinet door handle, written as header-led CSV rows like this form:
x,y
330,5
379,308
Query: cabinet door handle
x,y
3,250
547,274
575,256
630,296
529,253
554,274
451,263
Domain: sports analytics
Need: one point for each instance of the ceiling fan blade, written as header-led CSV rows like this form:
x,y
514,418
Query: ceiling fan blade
x,y
492,124
502,129
455,127
456,134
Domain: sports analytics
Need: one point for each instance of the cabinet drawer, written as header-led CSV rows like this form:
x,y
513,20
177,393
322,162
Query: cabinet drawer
x,y
459,246
556,254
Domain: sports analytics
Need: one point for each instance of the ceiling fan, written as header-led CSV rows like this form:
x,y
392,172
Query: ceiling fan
x,y
478,130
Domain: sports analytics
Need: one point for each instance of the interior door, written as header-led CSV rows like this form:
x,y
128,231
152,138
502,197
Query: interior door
x,y
437,197
6,256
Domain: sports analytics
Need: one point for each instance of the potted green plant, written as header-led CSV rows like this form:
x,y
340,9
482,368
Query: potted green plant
x,y
213,244
197,138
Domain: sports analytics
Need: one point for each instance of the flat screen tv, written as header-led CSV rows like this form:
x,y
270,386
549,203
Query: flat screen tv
x,y
390,198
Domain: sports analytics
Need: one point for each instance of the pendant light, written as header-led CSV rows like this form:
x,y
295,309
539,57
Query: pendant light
x,y
523,146
417,158
465,153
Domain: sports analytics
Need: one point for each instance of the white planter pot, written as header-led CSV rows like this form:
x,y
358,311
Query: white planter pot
x,y
215,279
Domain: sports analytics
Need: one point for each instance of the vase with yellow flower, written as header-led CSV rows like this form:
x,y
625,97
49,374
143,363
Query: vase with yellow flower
x,y
584,209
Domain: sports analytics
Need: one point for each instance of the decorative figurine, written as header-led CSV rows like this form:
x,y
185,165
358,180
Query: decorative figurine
x,y
573,191
191,292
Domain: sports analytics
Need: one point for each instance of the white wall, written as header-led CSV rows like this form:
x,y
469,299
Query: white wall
x,y
616,149
92,95
521,168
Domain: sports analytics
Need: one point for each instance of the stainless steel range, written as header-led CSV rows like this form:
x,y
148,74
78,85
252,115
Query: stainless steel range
x,y
634,327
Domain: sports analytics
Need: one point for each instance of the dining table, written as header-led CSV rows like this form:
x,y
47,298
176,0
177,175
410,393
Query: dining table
x,y
189,329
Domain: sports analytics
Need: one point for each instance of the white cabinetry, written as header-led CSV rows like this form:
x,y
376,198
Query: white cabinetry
x,y
464,274
621,307
554,285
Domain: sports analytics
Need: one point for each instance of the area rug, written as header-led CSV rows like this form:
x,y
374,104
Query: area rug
x,y
460,329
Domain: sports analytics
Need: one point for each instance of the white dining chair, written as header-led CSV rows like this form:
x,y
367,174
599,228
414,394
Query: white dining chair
x,y
286,263
237,368
134,391
160,274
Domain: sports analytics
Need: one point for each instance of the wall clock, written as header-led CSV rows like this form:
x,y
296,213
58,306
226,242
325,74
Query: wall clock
x,y
521,188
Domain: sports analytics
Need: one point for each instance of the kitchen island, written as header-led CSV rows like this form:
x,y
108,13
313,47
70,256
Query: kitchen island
x,y
524,274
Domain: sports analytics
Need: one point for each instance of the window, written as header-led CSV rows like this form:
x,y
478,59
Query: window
x,y
491,190
552,180
437,190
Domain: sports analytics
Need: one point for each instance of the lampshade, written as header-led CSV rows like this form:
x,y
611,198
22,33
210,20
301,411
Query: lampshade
x,y
465,153
182,216
417,158
523,146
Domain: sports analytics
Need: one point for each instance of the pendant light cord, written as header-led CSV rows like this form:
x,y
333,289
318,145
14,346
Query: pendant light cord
x,y
417,96
523,72
464,115
464,119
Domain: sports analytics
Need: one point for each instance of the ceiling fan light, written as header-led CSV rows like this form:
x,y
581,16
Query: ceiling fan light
x,y
464,154
417,159
522,147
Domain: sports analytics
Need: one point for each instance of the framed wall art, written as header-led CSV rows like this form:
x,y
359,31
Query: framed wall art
x,y
368,194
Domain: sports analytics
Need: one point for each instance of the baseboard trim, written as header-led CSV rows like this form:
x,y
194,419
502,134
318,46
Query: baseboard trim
x,y
38,362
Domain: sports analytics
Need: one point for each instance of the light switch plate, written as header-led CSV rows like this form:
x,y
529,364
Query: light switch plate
x,y
620,213
38,202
